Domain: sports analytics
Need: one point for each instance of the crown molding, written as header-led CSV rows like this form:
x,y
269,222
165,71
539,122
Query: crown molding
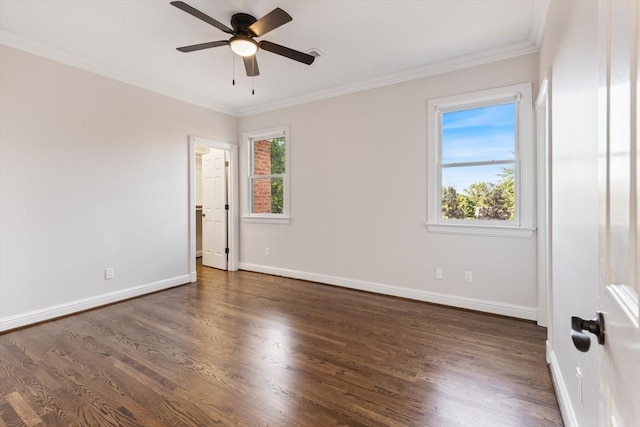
x,y
538,21
524,47
11,39
457,63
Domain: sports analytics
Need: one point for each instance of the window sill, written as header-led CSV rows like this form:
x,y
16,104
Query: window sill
x,y
482,230
267,219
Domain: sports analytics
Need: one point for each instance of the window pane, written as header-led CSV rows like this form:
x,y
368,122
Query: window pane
x,y
268,195
277,155
479,192
479,134
268,156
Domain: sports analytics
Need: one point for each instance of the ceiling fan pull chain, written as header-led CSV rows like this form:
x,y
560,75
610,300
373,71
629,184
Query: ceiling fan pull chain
x,y
233,67
253,86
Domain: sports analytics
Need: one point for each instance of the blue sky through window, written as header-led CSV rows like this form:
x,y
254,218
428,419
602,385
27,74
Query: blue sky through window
x,y
477,135
460,178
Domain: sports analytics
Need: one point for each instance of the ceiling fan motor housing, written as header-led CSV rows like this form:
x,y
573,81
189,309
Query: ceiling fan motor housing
x,y
240,22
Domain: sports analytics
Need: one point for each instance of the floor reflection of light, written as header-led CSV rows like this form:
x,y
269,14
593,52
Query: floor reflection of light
x,y
437,400
458,396
272,362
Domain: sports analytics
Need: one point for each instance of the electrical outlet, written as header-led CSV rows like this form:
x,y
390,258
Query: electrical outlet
x,y
109,273
267,252
468,276
439,274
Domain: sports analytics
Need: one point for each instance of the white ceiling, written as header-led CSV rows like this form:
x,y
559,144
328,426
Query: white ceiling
x,y
366,43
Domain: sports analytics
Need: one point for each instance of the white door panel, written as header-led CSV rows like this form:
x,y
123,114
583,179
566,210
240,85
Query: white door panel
x,y
207,209
620,371
214,202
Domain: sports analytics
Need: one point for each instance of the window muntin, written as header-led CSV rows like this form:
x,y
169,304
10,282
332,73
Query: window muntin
x,y
481,149
268,180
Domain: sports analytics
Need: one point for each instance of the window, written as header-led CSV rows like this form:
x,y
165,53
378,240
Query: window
x,y
268,175
481,163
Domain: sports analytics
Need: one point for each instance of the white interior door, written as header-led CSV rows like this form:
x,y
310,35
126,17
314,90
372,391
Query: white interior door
x,y
619,276
214,209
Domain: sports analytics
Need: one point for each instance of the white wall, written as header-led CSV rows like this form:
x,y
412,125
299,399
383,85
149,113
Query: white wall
x,y
93,174
359,200
570,50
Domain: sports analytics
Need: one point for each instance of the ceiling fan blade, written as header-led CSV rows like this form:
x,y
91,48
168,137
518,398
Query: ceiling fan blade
x,y
201,46
270,21
251,65
195,12
296,55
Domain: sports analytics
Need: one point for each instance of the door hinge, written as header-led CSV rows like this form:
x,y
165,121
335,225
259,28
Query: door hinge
x,y
226,207
226,163
226,250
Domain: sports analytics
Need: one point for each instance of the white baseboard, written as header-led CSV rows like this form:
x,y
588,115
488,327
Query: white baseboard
x,y
564,402
548,349
48,313
518,311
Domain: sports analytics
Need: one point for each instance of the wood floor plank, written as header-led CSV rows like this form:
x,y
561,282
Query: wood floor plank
x,y
22,409
247,349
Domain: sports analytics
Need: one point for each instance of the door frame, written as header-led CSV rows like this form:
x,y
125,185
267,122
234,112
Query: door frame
x,y
544,237
232,224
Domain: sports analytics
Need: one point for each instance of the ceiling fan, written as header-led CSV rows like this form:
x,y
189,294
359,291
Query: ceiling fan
x,y
244,29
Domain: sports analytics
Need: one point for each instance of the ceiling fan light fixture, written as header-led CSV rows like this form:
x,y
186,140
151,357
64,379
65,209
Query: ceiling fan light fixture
x,y
243,45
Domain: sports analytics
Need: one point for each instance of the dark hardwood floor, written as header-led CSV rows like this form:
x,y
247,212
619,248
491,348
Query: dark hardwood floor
x,y
247,349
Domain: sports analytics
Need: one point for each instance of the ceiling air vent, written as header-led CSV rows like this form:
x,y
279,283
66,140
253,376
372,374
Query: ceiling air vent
x,y
315,52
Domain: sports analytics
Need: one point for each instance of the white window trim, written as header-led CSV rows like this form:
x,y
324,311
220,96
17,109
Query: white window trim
x,y
248,137
523,225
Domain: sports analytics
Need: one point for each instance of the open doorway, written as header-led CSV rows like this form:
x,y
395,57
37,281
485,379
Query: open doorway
x,y
213,204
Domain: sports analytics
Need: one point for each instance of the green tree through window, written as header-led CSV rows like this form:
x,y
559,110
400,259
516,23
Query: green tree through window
x,y
482,200
277,167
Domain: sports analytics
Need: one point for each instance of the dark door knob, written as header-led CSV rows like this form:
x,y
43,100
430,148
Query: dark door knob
x,y
595,326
